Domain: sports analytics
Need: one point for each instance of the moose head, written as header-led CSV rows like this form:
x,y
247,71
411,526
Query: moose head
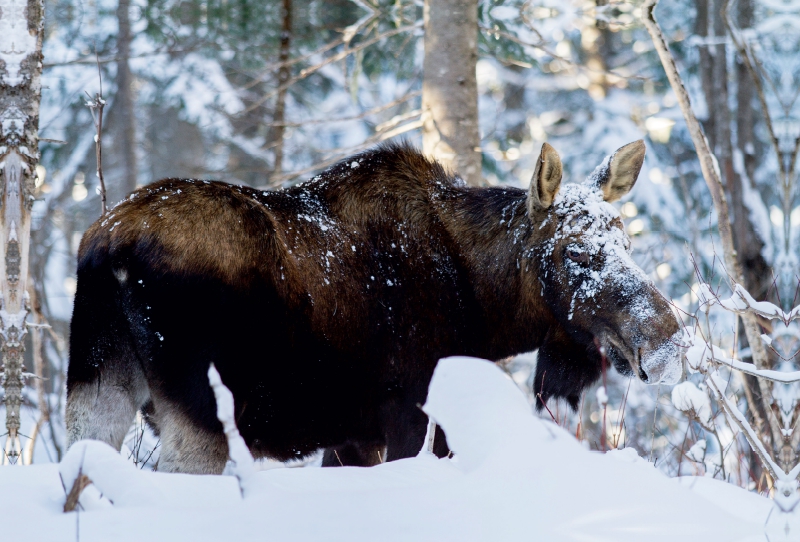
x,y
604,306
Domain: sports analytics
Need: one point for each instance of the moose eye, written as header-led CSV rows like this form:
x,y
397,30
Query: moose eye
x,y
577,256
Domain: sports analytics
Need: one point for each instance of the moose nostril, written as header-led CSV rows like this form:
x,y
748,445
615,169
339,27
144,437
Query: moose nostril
x,y
642,374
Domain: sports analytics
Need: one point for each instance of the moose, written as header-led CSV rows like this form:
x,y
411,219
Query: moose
x,y
326,306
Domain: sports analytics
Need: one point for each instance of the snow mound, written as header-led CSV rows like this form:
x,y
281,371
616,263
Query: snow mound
x,y
120,481
689,398
514,477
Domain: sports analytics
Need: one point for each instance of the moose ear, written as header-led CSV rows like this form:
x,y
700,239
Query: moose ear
x,y
546,180
622,171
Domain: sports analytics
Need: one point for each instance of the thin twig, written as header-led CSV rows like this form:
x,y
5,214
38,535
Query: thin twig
x,y
360,116
96,106
711,174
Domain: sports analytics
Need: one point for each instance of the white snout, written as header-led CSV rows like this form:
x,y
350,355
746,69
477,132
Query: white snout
x,y
663,363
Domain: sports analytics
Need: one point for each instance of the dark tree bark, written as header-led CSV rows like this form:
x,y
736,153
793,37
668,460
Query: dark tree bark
x,y
701,29
283,76
718,125
750,247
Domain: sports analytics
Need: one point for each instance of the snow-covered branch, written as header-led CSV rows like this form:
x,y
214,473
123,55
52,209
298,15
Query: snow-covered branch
x,y
706,358
239,454
710,169
741,302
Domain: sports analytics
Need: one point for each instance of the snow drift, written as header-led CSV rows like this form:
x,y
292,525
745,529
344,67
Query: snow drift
x,y
514,477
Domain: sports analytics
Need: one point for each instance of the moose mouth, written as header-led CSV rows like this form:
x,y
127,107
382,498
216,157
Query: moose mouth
x,y
659,364
626,360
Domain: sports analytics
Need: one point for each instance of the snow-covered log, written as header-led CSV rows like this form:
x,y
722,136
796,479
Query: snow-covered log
x,y
116,481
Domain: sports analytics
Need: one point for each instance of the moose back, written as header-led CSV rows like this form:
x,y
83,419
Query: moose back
x,y
326,306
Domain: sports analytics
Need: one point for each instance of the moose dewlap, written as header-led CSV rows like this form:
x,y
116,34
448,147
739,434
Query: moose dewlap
x,y
326,306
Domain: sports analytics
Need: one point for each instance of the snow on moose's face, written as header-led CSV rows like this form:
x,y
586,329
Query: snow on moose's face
x,y
600,294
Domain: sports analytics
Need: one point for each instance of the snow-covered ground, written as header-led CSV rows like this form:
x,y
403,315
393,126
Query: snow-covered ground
x,y
514,477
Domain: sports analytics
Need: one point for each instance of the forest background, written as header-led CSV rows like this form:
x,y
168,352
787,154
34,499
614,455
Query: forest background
x,y
268,93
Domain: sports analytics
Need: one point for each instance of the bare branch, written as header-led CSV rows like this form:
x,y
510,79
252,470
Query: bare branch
x,y
341,153
96,106
360,116
711,174
74,495
330,60
541,46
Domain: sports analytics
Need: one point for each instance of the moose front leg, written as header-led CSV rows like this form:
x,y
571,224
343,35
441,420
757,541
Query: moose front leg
x,y
355,454
405,426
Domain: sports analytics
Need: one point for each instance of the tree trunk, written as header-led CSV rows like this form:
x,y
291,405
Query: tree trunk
x,y
279,118
21,34
125,104
701,28
714,79
749,247
756,271
450,89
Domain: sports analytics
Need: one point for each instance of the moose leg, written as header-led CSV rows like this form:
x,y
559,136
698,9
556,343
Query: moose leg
x,y
354,454
104,410
105,385
105,381
406,426
187,448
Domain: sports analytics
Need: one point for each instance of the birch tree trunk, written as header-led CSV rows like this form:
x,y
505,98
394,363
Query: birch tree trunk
x,y
21,34
449,87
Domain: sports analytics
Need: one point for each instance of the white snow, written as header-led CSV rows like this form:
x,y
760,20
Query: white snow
x,y
602,396
697,452
689,398
514,477
241,460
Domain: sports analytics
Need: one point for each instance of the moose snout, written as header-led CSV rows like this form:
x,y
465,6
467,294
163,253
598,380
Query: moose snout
x,y
661,364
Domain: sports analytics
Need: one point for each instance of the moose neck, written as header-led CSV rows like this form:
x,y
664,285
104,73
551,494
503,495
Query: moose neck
x,y
493,231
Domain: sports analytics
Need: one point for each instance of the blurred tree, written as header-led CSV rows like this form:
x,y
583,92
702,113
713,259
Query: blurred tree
x,y
450,89
125,109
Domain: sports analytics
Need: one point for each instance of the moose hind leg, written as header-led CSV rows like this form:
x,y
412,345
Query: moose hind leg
x,y
103,392
187,448
105,381
104,410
